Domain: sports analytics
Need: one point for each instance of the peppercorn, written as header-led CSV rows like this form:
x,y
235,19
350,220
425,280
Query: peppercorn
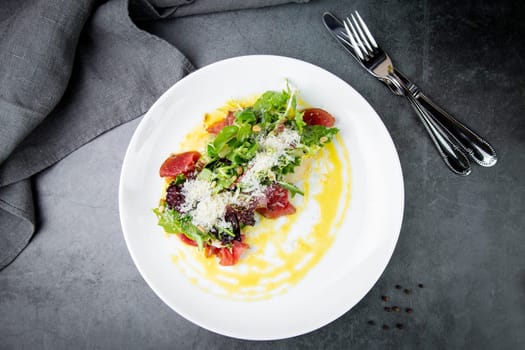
x,y
408,291
409,310
385,298
399,326
386,327
371,322
398,286
395,308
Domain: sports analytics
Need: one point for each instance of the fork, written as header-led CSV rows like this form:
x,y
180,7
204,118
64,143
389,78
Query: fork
x,y
443,129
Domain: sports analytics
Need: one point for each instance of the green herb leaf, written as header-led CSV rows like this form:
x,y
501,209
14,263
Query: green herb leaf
x,y
244,133
226,134
173,222
246,116
290,165
313,134
205,175
271,101
179,179
292,188
299,123
212,152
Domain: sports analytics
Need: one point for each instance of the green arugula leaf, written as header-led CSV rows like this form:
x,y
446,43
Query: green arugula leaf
x,y
226,134
312,135
205,175
212,152
244,133
246,116
292,188
289,166
299,122
271,101
173,222
179,179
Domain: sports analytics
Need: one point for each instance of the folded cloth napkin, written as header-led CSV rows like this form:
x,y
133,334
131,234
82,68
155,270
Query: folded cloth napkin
x,y
69,71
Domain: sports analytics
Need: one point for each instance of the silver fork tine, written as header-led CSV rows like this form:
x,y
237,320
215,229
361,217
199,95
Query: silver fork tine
x,y
352,41
365,28
364,39
356,37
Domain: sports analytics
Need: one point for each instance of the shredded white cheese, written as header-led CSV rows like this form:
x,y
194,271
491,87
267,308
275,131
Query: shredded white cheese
x,y
195,191
281,142
272,148
210,210
206,208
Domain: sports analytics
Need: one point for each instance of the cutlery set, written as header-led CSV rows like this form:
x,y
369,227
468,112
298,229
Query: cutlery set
x,y
455,142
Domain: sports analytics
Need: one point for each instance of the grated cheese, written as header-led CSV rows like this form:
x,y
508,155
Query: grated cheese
x,y
209,211
273,148
206,208
195,191
283,141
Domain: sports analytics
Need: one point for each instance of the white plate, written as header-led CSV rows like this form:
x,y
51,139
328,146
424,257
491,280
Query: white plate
x,y
367,236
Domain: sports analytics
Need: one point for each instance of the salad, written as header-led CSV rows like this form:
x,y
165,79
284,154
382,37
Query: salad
x,y
242,172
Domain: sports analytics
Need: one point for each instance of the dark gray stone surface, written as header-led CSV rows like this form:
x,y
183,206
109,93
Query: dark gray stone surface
x,y
75,286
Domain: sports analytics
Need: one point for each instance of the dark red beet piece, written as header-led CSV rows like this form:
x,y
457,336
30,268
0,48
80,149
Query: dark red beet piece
x,y
174,197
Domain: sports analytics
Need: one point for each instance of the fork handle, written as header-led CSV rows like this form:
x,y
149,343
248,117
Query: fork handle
x,y
446,144
476,147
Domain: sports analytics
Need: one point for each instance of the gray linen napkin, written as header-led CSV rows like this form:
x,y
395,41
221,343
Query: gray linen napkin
x,y
69,71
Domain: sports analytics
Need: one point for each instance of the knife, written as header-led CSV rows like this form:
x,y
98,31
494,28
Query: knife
x,y
474,146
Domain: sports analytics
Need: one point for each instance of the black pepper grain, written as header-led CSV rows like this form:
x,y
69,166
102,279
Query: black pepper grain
x,y
409,310
385,298
408,291
386,327
399,326
398,286
387,309
395,308
371,322
420,285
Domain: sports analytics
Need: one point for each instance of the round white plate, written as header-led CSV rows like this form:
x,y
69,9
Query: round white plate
x,y
364,243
